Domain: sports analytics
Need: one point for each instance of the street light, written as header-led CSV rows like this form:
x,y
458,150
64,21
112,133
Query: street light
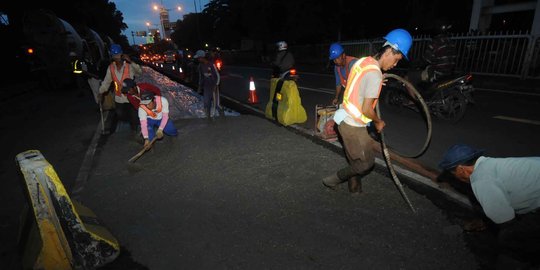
x,y
164,18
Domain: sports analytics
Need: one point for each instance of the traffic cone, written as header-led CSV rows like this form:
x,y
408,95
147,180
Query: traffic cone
x,y
253,99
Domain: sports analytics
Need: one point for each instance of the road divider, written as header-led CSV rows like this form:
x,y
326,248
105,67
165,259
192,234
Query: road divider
x,y
56,232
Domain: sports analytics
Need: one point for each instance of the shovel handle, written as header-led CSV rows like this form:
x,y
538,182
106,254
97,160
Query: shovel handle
x,y
138,155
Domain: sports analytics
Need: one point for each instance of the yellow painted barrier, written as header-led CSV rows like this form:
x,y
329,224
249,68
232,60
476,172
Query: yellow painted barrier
x,y
56,232
285,105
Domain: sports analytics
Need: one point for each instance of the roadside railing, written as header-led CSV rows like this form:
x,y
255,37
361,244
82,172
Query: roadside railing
x,y
514,54
510,54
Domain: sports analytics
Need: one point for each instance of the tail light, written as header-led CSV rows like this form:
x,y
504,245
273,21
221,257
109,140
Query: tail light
x,y
218,64
468,78
293,72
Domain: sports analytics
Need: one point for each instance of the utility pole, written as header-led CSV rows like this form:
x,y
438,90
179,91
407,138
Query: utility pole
x,y
198,28
133,37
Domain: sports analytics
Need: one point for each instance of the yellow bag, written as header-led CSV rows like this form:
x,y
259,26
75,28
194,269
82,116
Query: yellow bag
x,y
286,104
108,101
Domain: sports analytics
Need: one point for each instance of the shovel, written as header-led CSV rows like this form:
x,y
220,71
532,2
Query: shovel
x,y
132,167
138,155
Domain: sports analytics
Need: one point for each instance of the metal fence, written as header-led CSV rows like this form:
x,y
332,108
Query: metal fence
x,y
514,54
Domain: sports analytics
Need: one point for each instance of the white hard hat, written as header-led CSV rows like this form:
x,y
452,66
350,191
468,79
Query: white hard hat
x,y
282,45
199,53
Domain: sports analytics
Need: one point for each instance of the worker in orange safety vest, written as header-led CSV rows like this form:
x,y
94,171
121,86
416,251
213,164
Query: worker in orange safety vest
x,y
120,69
342,68
358,109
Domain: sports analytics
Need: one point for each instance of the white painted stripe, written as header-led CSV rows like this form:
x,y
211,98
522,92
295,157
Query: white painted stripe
x,y
478,89
507,92
236,75
317,74
320,90
526,121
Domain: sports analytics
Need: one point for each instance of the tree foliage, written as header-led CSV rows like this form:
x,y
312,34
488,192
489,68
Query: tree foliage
x,y
100,15
226,22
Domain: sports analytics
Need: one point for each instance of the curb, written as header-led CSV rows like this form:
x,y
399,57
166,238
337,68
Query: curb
x,y
86,166
410,177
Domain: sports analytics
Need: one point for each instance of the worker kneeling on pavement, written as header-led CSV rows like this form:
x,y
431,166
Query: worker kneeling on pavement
x,y
508,189
154,112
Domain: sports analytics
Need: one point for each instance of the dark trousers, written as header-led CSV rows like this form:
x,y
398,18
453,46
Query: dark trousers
x,y
125,112
521,238
358,147
208,95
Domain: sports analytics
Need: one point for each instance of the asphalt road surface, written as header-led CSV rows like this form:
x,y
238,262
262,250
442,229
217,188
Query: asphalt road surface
x,y
236,193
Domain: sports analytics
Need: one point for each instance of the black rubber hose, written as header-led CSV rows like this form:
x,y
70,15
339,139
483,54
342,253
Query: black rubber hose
x,y
390,167
425,109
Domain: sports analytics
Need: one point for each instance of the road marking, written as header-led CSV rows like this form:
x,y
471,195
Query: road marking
x,y
507,92
317,74
526,121
320,90
236,75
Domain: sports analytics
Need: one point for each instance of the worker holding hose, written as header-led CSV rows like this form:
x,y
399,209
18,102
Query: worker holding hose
x,y
358,109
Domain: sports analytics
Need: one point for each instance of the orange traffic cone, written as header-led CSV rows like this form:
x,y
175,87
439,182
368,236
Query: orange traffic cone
x,y
253,99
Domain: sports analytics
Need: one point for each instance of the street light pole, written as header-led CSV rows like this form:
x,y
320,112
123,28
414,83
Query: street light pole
x,y
197,22
133,37
164,18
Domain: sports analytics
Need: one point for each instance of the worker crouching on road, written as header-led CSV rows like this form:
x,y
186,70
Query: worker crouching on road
x,y
154,112
358,109
508,189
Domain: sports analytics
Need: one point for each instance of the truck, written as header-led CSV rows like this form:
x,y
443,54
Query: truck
x,y
49,41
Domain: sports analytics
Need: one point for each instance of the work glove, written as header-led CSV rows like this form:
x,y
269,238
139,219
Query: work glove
x,y
159,134
146,144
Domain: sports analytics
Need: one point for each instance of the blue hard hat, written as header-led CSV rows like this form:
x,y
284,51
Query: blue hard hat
x,y
335,51
459,154
116,49
401,40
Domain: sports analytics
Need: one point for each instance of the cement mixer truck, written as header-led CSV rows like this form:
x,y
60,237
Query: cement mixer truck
x,y
50,40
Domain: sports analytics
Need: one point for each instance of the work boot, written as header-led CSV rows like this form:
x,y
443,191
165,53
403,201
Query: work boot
x,y
355,185
332,181
221,113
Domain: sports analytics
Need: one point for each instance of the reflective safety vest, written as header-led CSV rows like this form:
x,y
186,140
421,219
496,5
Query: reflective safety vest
x,y
118,83
77,67
351,97
342,79
151,113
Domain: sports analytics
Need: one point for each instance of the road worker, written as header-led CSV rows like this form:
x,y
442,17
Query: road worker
x,y
358,109
120,69
154,113
343,64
